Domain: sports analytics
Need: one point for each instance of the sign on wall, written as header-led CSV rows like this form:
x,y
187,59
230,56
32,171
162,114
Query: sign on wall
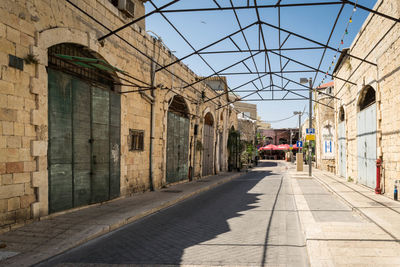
x,y
328,144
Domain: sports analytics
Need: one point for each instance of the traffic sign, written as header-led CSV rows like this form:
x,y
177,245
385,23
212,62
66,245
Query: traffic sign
x,y
310,131
299,143
310,137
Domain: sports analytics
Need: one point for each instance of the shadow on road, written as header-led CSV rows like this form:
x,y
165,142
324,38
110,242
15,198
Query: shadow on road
x,y
162,238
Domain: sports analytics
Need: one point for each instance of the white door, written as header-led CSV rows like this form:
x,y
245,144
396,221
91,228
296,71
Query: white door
x,y
366,146
342,149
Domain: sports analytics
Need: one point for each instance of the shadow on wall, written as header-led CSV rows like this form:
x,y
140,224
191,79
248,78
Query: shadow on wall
x,y
163,237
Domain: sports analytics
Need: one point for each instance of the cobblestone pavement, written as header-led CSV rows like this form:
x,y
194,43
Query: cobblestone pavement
x,y
250,221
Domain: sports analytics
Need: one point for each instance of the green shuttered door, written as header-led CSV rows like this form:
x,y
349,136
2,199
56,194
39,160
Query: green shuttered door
x,y
177,148
84,142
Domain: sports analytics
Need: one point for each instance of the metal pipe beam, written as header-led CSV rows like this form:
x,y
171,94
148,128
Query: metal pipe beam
x,y
315,42
207,46
136,20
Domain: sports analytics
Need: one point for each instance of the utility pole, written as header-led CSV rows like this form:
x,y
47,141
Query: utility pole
x,y
310,126
299,113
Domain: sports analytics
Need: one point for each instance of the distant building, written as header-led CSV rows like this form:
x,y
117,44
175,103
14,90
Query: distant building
x,y
324,129
279,136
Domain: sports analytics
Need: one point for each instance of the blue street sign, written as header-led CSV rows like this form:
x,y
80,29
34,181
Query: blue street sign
x,y
310,131
299,143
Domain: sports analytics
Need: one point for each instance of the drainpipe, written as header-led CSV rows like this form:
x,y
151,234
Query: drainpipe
x,y
152,124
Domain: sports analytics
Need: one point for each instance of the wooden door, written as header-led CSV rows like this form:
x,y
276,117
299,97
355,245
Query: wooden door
x,y
208,150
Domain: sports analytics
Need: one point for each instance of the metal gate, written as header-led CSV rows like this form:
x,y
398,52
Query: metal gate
x,y
177,148
342,149
84,142
366,146
208,150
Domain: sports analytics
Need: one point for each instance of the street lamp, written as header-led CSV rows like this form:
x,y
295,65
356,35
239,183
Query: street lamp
x,y
304,81
299,113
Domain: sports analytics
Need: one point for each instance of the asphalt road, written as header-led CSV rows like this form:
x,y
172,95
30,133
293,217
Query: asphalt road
x,y
250,221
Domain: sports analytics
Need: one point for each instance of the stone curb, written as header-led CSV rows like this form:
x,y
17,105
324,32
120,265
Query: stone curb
x,y
354,209
342,199
36,259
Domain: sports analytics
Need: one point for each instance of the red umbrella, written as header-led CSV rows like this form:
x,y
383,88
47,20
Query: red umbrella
x,y
282,147
268,147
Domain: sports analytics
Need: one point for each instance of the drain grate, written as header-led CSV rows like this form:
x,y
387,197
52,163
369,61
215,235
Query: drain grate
x,y
203,181
171,191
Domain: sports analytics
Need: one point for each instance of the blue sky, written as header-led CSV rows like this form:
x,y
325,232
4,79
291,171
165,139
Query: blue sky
x,y
204,28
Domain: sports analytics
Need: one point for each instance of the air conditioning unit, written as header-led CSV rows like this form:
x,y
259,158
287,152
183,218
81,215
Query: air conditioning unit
x,y
127,6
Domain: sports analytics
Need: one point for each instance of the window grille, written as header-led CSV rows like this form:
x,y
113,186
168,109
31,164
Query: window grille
x,y
136,140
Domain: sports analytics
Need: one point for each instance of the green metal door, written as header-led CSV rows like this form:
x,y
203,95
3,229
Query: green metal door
x,y
177,148
81,147
84,142
100,144
60,142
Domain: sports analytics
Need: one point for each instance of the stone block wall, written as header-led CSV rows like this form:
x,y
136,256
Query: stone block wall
x,y
384,78
323,116
31,27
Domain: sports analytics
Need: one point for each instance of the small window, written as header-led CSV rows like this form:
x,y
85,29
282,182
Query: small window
x,y
136,140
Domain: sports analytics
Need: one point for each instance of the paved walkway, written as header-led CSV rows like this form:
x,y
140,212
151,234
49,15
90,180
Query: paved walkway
x,y
364,233
40,240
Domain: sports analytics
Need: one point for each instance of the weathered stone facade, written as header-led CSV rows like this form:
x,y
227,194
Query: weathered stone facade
x,y
325,130
30,28
378,42
279,136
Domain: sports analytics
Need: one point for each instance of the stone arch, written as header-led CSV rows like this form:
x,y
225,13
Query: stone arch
x,y
366,98
178,105
169,97
283,141
177,147
269,140
209,110
209,119
81,97
39,86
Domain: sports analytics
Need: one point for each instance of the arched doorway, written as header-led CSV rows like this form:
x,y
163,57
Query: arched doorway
x,y
84,129
342,143
283,141
177,140
208,145
366,137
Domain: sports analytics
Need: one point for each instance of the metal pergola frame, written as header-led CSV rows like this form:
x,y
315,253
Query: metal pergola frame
x,y
262,49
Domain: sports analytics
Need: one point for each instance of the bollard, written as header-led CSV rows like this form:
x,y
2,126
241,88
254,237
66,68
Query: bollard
x,y
378,176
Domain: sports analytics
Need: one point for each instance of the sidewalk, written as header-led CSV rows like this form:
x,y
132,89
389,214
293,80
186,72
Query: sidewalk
x,y
40,240
346,224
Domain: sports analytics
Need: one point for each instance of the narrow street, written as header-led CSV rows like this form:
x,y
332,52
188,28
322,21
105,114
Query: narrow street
x,y
251,220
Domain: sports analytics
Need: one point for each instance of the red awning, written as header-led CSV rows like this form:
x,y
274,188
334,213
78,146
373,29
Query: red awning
x,y
268,147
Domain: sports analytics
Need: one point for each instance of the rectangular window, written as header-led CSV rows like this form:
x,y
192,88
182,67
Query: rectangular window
x,y
136,140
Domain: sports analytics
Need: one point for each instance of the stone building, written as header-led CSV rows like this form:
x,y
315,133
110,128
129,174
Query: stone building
x,y
366,116
248,110
279,136
83,121
325,129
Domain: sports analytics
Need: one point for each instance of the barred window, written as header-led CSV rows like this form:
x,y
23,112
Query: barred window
x,y
136,140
